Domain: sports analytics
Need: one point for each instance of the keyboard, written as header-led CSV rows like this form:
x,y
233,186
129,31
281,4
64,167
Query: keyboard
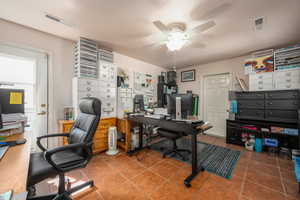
x,y
189,121
3,150
155,116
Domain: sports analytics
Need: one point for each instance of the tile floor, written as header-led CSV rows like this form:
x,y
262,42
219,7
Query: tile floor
x,y
257,176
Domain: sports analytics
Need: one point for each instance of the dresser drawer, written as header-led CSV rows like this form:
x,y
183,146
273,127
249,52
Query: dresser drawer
x,y
103,125
294,94
82,94
101,133
255,104
87,88
103,84
67,128
250,114
250,95
103,76
104,66
287,85
282,104
100,144
108,91
282,115
87,82
106,123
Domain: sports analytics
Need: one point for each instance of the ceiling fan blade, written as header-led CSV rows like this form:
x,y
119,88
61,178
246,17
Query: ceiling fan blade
x,y
203,27
163,28
201,13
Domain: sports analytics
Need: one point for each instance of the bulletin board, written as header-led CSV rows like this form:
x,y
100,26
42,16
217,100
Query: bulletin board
x,y
144,84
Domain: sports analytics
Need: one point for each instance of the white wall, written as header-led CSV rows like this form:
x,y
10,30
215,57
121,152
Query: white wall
x,y
61,63
235,66
61,53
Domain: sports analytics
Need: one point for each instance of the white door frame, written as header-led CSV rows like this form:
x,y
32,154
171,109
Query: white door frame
x,y
37,55
202,94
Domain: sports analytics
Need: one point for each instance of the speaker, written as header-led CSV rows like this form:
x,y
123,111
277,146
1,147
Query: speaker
x,y
161,79
171,78
160,95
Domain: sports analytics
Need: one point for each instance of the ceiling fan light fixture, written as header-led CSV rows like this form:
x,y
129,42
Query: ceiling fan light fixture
x,y
176,40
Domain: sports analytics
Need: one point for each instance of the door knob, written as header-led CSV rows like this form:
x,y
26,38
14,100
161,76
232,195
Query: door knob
x,y
42,113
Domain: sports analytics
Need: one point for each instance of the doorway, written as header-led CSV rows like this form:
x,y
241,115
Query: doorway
x,y
27,69
216,103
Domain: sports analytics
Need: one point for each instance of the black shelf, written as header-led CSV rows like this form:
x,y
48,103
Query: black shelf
x,y
265,109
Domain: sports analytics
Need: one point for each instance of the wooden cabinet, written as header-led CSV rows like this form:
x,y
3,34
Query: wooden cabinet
x,y
100,137
124,127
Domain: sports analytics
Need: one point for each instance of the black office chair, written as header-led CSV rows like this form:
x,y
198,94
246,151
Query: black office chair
x,y
76,154
173,136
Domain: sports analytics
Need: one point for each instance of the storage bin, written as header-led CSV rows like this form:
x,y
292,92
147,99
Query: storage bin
x,y
258,144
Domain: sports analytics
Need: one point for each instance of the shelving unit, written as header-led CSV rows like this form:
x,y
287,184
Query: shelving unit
x,y
287,58
105,55
234,132
263,110
86,58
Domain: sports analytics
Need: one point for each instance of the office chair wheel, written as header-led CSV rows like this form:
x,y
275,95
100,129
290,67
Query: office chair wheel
x,y
31,191
188,185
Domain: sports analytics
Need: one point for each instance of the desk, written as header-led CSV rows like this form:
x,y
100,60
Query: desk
x,y
14,166
176,126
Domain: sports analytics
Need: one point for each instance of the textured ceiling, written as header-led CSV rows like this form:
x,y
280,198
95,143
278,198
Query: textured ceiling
x,y
126,25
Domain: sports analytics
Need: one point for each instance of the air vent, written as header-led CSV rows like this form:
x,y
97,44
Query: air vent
x,y
259,23
53,18
59,20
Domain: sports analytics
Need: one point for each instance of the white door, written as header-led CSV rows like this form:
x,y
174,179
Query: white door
x,y
28,69
216,104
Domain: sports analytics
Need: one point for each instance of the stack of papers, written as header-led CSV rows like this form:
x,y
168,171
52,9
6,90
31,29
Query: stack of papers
x,y
13,124
15,117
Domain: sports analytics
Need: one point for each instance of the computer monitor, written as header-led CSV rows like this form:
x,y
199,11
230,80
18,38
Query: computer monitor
x,y
186,104
12,101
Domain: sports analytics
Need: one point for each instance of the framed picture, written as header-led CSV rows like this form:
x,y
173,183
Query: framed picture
x,y
189,75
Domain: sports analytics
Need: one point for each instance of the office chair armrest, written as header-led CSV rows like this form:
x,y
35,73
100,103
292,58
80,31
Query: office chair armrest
x,y
49,153
38,142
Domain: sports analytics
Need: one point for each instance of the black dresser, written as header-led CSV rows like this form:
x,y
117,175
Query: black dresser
x,y
275,106
264,109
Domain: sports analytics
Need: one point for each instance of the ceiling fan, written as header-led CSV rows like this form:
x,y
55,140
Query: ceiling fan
x,y
177,35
